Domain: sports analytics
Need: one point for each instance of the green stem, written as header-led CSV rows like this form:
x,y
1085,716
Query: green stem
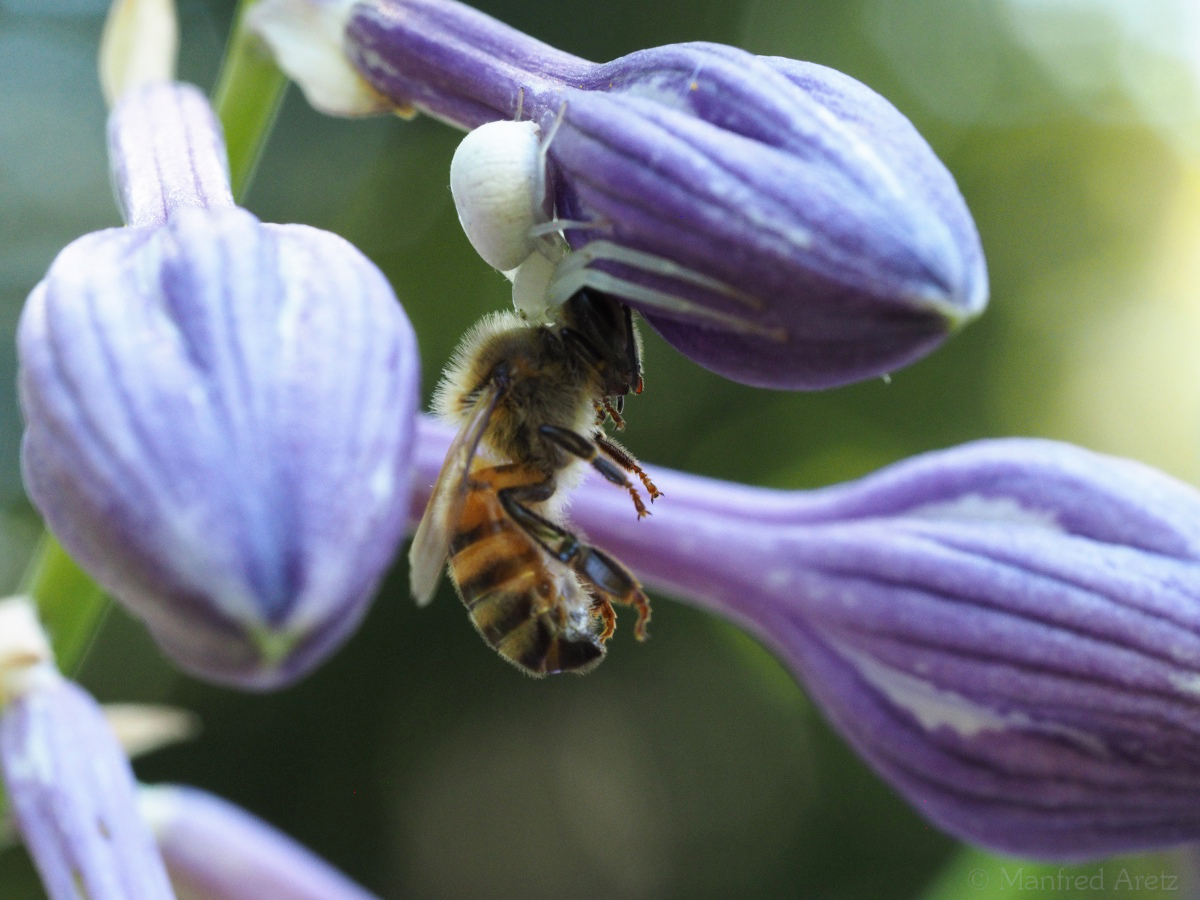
x,y
70,604
247,99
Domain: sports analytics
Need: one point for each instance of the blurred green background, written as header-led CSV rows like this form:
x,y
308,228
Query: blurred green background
x,y
692,766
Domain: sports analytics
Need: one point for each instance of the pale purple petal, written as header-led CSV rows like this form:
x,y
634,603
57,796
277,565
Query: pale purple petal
x,y
1008,631
72,796
217,851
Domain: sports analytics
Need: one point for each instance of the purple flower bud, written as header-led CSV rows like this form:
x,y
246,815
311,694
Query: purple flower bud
x,y
776,221
68,781
1008,631
219,412
216,851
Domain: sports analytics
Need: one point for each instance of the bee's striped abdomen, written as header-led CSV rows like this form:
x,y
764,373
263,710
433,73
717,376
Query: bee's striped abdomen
x,y
504,582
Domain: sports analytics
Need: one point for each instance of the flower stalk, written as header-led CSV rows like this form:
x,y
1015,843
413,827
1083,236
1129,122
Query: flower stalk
x,y
71,604
247,98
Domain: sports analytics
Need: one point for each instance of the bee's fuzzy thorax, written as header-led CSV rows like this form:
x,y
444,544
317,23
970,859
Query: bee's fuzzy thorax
x,y
547,385
469,365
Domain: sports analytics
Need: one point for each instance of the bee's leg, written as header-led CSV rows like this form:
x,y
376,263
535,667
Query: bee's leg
x,y
614,411
608,410
624,459
601,414
588,450
602,575
603,608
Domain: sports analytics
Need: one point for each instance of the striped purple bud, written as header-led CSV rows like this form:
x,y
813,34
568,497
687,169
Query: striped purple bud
x,y
776,221
219,412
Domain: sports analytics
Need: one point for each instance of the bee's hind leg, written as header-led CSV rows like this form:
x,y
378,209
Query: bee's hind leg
x,y
605,578
603,608
590,450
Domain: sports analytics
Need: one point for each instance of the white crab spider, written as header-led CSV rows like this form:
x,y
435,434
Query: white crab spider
x,y
499,189
498,180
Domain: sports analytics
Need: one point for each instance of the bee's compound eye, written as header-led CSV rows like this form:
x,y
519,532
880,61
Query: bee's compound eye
x,y
496,184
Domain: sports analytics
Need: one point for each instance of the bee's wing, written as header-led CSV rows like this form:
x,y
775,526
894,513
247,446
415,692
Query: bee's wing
x,y
431,543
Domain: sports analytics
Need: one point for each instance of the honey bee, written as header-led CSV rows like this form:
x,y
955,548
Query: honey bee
x,y
530,403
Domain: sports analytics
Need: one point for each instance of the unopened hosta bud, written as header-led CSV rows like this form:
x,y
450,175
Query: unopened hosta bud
x,y
1008,631
777,221
219,412
66,779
